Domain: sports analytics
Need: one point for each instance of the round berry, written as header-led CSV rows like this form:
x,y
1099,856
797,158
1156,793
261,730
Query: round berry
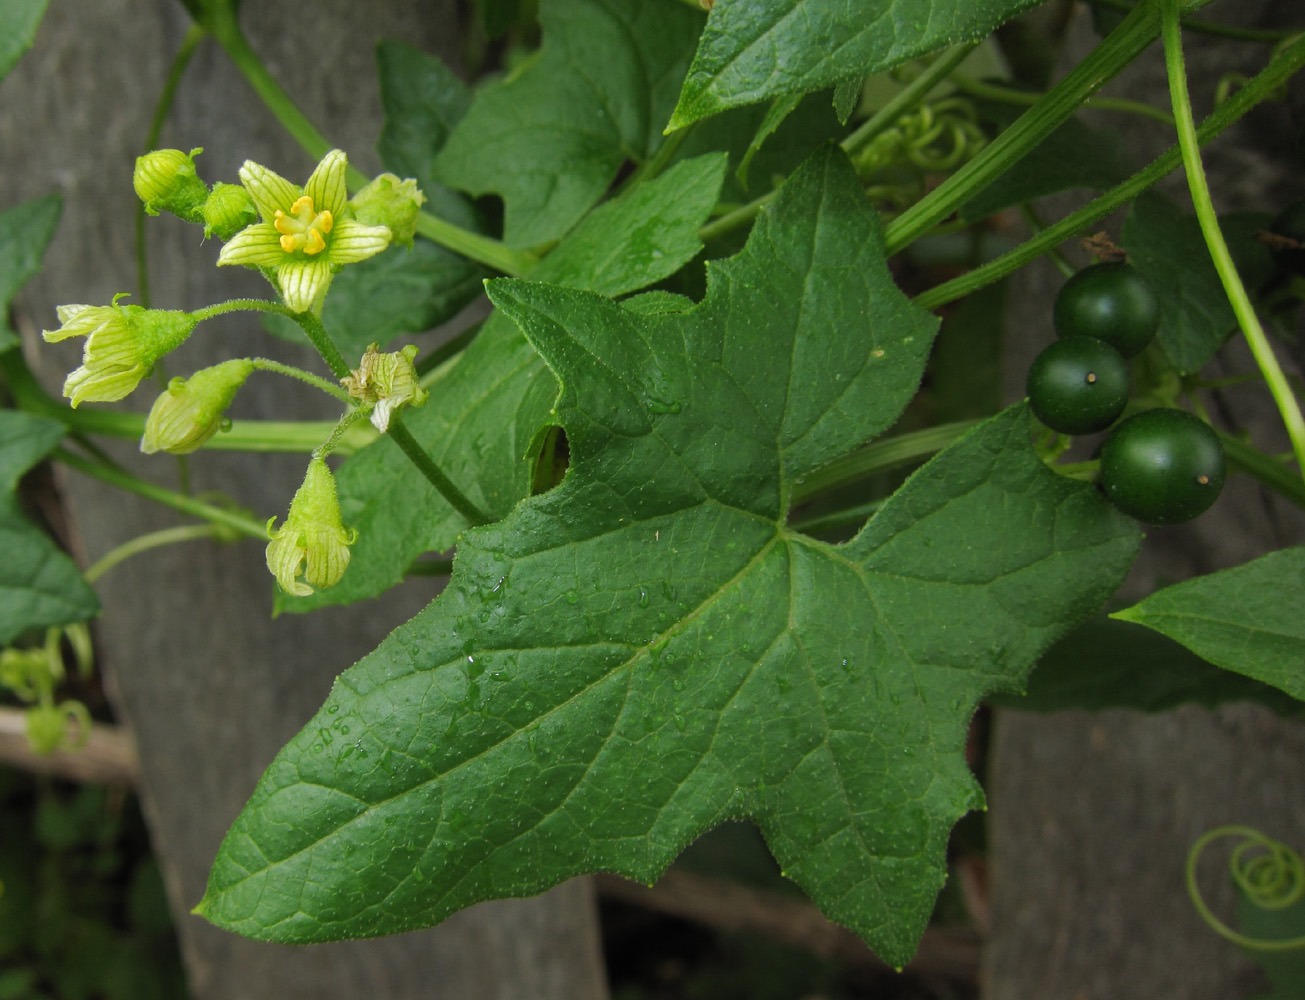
x,y
1111,302
1162,466
1078,385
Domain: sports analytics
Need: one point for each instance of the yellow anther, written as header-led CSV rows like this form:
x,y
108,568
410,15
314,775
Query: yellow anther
x,y
301,229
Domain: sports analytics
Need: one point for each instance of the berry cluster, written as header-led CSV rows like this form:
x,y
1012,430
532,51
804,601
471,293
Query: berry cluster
x,y
1162,466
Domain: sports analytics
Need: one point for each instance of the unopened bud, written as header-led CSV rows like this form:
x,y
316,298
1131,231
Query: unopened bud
x,y
387,382
313,541
228,210
165,180
388,201
190,411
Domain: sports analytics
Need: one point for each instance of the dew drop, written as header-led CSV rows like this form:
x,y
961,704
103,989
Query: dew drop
x,y
325,734
317,748
332,709
572,597
680,723
344,729
677,684
643,598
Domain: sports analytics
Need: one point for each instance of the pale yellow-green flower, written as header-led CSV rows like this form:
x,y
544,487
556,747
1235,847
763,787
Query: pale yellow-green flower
x,y
385,382
190,411
313,542
305,235
122,345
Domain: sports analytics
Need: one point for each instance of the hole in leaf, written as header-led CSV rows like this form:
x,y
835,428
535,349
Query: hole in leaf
x,y
551,461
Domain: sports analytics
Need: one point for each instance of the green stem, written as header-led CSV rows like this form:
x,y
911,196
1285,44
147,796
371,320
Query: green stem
x,y
1268,470
153,540
1210,28
240,305
1288,62
265,436
905,100
350,419
1009,95
1117,50
169,498
400,435
312,326
879,456
489,252
837,519
180,61
268,365
1233,287
908,97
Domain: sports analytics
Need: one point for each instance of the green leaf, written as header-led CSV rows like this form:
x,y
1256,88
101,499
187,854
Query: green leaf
x,y
847,95
1074,156
1246,619
423,101
550,139
647,650
396,292
780,108
756,50
484,413
1115,664
25,232
19,20
1166,245
39,585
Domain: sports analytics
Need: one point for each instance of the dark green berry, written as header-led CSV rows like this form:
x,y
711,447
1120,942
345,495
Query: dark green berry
x,y
1111,302
1162,466
1078,385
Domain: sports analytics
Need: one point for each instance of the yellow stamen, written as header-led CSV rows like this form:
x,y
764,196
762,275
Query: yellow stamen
x,y
303,229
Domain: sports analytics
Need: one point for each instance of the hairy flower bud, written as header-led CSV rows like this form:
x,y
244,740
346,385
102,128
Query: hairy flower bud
x,y
388,201
165,179
190,411
313,539
228,210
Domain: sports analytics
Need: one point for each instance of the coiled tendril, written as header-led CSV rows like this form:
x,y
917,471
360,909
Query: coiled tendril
x,y
935,138
1270,874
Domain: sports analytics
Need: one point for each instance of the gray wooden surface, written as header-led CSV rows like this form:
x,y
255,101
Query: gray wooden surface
x,y
1091,815
210,684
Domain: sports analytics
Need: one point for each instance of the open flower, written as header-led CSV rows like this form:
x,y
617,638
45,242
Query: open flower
x,y
313,539
122,345
385,382
304,237
190,411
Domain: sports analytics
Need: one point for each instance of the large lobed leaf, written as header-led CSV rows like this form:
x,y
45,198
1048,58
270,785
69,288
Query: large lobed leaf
x,y
647,649
550,138
39,585
484,413
755,50
1246,619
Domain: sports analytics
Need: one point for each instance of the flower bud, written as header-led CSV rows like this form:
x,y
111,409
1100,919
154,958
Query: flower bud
x,y
122,345
388,201
190,411
386,381
166,179
47,726
313,539
228,210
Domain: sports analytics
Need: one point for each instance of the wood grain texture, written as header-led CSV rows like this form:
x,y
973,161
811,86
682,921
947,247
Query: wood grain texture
x,y
210,685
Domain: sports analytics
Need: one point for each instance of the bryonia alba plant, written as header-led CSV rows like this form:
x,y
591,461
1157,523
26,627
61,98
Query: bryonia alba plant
x,y
711,603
